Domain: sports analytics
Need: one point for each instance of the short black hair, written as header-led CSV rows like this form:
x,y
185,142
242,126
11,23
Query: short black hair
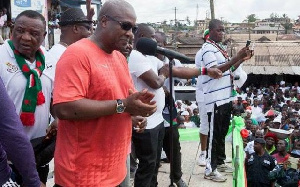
x,y
163,35
214,23
32,14
142,27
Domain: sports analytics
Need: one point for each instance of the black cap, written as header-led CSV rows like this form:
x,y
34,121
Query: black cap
x,y
73,16
260,141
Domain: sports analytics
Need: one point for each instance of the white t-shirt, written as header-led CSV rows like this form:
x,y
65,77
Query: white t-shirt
x,y
4,17
15,84
189,124
298,88
216,91
2,21
56,51
167,81
256,111
250,147
139,64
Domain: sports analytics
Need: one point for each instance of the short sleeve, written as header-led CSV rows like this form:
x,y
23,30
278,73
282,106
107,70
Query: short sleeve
x,y
138,63
72,78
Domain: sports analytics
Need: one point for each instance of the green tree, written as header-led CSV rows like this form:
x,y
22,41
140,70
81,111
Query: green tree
x,y
287,26
188,20
274,16
251,18
284,15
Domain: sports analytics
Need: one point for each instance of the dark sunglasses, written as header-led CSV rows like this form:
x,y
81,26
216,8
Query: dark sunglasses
x,y
124,24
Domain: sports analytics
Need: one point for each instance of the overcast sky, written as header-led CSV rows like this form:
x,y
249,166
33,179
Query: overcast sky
x,y
230,10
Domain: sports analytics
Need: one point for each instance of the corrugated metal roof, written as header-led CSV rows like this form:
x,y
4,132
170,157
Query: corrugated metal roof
x,y
273,58
268,28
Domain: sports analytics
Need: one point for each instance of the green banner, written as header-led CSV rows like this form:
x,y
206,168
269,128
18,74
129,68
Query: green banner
x,y
238,156
189,134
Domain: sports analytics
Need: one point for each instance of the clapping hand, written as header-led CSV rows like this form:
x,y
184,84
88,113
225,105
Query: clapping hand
x,y
140,103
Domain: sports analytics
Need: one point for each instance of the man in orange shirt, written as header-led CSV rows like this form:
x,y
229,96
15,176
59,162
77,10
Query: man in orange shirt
x,y
94,101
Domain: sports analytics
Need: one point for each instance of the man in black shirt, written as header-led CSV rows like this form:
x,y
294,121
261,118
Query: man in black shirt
x,y
258,165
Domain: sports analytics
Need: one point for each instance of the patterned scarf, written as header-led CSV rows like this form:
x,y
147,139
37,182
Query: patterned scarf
x,y
224,52
33,93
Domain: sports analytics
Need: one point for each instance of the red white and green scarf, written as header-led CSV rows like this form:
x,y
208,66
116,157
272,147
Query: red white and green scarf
x,y
224,52
33,93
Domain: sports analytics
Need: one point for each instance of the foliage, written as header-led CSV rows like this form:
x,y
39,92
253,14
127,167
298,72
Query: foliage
x,y
251,18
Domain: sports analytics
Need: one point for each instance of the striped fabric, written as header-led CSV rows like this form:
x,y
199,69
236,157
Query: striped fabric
x,y
216,91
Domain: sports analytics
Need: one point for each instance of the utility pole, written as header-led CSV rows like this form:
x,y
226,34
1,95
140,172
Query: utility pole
x,y
212,9
175,16
249,30
171,122
197,12
175,40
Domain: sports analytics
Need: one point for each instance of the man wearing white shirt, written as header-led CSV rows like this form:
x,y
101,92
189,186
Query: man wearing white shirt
x,y
23,60
256,110
5,28
179,71
218,96
74,26
150,73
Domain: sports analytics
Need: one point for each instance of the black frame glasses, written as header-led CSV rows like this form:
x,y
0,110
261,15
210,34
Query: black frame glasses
x,y
125,25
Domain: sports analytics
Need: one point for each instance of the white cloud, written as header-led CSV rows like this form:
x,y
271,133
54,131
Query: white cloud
x,y
230,10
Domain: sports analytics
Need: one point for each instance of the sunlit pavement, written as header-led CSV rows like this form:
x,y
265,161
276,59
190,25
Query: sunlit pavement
x,y
193,174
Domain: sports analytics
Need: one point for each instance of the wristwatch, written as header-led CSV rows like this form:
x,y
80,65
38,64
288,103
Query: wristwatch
x,y
120,106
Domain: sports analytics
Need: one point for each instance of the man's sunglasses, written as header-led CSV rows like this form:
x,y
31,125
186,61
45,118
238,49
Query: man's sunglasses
x,y
124,24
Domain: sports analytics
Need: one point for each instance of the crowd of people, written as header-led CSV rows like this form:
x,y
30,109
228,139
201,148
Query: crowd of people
x,y
96,104
4,25
271,116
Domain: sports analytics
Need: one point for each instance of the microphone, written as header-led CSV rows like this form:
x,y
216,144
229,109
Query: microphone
x,y
149,47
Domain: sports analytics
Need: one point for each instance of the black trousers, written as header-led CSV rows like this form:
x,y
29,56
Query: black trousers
x,y
221,123
148,146
258,184
177,173
42,171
